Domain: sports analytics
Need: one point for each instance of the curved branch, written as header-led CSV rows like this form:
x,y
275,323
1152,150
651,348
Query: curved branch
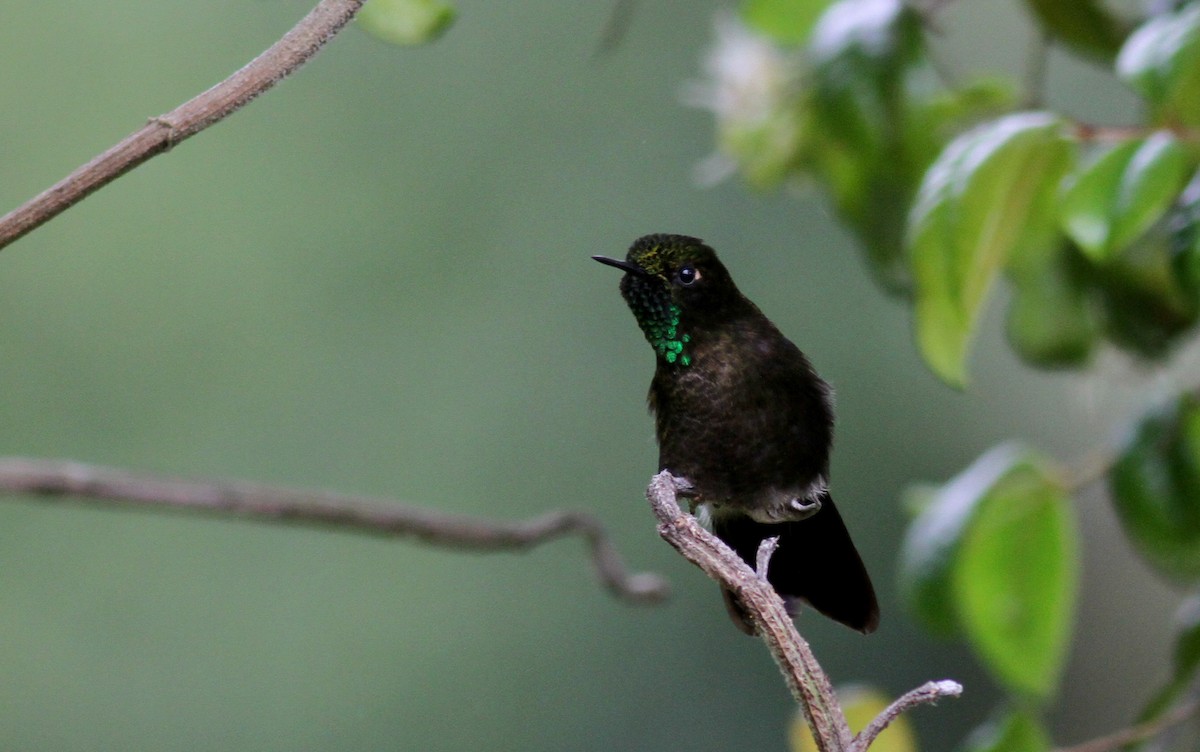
x,y
324,509
161,133
803,674
926,694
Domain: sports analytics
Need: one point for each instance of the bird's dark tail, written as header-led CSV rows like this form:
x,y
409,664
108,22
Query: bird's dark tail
x,y
816,562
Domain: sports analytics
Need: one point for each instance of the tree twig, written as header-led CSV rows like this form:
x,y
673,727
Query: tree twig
x,y
161,133
926,694
803,674
1140,732
62,479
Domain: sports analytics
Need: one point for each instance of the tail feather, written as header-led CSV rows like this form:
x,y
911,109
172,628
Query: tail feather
x,y
816,562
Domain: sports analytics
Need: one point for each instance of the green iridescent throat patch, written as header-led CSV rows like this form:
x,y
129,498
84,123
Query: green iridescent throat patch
x,y
661,327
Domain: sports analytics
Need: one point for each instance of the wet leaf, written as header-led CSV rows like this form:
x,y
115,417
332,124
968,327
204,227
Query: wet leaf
x,y
1122,193
1016,578
1156,490
991,556
1161,60
979,203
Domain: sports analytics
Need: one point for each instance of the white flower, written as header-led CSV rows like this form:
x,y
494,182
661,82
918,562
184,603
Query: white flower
x,y
749,86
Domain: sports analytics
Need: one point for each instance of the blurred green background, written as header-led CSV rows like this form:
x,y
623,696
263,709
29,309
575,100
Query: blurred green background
x,y
376,279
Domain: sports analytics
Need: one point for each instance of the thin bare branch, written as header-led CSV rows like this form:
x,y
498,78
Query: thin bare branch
x,y
163,132
928,693
63,479
766,550
804,676
1139,733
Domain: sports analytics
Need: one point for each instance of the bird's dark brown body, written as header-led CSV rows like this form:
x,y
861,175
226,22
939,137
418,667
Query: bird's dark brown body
x,y
742,415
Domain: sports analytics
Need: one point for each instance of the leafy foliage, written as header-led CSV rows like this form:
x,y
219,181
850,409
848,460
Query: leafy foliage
x,y
952,189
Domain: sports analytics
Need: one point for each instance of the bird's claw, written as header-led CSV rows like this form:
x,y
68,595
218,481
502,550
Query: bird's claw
x,y
803,508
683,487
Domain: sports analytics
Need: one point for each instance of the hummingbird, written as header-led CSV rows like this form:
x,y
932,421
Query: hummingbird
x,y
742,415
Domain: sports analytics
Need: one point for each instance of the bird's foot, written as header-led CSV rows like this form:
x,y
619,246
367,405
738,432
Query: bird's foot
x,y
802,509
683,487
783,510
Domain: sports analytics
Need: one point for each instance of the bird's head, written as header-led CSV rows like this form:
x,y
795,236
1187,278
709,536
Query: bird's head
x,y
675,285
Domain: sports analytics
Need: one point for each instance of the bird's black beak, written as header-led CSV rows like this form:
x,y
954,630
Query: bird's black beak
x,y
627,266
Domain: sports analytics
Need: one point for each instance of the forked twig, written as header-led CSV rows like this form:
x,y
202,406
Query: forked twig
x,y
803,674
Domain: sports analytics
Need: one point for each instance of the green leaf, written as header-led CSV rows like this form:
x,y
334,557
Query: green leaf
x,y
1017,732
406,22
1016,579
1051,321
1149,290
1122,193
932,542
1084,25
980,202
991,555
785,21
1161,61
861,705
1156,490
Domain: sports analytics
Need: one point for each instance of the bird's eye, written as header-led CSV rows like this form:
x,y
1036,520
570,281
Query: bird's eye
x,y
687,275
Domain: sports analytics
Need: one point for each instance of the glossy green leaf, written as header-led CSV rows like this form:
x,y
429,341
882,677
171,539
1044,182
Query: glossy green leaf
x,y
979,203
861,705
1150,183
1156,490
1183,226
1084,25
1149,289
1016,732
1122,193
932,541
1087,202
406,22
1161,60
1051,320
785,21
1016,578
991,556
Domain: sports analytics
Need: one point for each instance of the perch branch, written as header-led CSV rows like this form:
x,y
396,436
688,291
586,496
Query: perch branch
x,y
803,674
58,479
161,133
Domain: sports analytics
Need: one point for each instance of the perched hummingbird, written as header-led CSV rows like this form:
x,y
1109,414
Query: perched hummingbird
x,y
741,414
